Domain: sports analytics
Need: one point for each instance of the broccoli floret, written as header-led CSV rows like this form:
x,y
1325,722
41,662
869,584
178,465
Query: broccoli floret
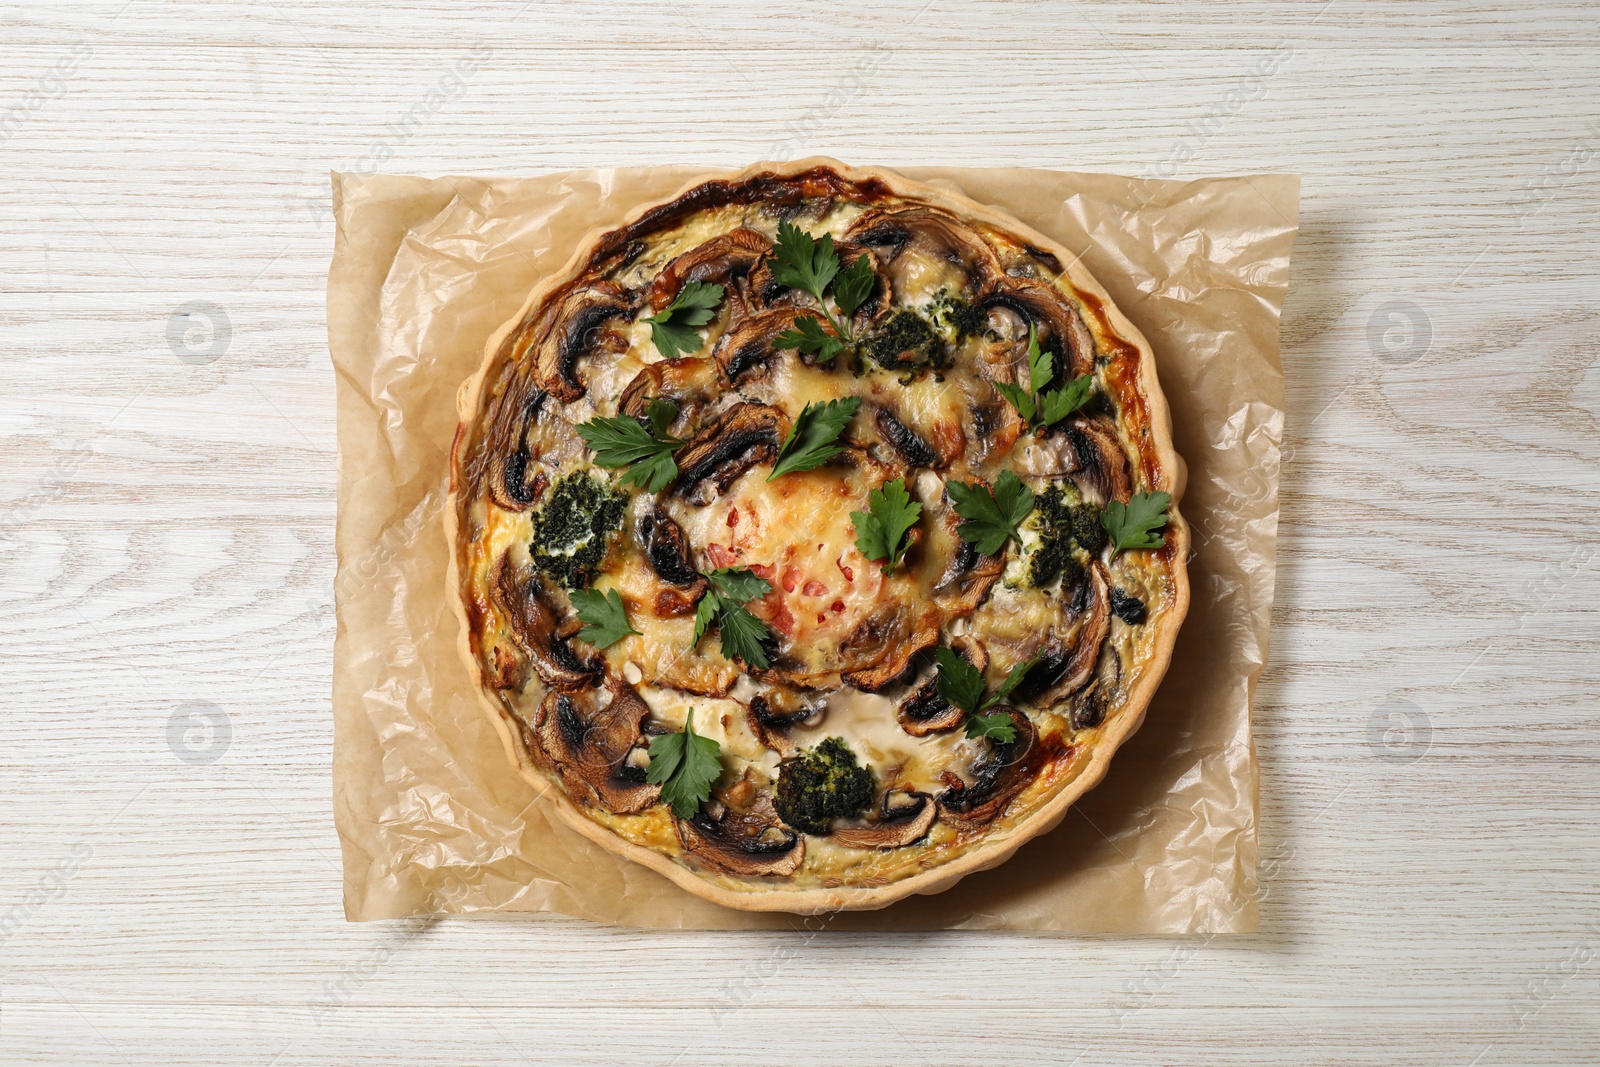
x,y
1063,523
570,531
906,341
822,784
959,317
1051,560
1086,528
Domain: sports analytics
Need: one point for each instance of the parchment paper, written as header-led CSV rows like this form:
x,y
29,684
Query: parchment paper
x,y
430,814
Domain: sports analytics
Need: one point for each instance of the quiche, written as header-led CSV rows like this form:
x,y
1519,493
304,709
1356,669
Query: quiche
x,y
813,537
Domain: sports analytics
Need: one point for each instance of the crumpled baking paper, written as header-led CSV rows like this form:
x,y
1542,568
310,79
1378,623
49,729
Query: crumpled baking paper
x,y
430,814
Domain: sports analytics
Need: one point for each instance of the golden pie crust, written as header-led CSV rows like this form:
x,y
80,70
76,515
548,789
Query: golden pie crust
x,y
852,640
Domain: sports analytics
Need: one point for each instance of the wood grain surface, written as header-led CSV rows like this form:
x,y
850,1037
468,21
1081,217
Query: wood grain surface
x,y
169,885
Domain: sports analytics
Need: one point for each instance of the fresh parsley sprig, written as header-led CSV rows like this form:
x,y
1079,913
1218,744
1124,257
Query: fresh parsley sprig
x,y
811,443
992,516
684,765
810,336
743,635
803,262
674,327
881,530
605,617
1134,525
961,684
1038,409
619,441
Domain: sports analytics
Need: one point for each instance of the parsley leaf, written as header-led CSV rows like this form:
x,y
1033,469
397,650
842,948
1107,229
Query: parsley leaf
x,y
1038,409
743,635
1133,525
800,261
619,441
811,443
991,517
1014,676
705,613
808,336
853,285
684,765
959,682
605,616
1059,403
881,530
1041,365
803,262
739,584
997,726
1026,406
673,328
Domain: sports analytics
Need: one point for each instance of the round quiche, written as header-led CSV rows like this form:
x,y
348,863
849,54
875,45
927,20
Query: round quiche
x,y
813,536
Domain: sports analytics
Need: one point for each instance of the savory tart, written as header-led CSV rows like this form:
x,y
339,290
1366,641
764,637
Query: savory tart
x,y
813,538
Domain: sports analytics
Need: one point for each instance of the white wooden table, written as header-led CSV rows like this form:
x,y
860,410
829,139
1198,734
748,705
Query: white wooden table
x,y
1428,730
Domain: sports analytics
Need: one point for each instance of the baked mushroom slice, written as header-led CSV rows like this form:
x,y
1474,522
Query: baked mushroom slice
x,y
510,484
773,714
1003,770
904,818
666,550
749,346
1063,669
899,237
744,436
749,843
905,442
1102,465
693,383
533,624
1014,304
885,643
589,739
583,323
723,260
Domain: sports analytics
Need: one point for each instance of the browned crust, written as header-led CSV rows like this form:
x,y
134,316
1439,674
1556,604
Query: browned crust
x,y
1139,396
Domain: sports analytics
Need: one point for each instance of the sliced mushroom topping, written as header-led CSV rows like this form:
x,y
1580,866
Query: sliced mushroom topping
x,y
969,576
1064,669
510,486
744,436
906,443
720,261
1089,709
693,383
1002,772
772,719
904,818
887,630
533,624
667,548
1016,303
751,344
583,323
926,712
750,843
899,236
1102,465
588,739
